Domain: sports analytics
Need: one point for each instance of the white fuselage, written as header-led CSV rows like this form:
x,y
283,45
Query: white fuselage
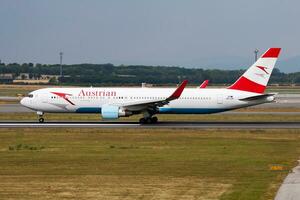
x,y
90,100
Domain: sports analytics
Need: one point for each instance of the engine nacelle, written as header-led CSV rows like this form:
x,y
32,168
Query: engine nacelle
x,y
113,112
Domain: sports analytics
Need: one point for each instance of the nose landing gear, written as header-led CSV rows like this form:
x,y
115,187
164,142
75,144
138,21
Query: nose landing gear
x,y
40,114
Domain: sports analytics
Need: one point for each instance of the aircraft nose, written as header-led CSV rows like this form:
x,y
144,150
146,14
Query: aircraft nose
x,y
24,101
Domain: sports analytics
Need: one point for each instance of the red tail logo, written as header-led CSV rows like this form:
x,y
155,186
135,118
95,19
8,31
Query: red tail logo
x,y
256,80
263,68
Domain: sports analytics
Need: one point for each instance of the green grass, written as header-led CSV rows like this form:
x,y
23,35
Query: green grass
x,y
144,163
284,91
201,118
13,92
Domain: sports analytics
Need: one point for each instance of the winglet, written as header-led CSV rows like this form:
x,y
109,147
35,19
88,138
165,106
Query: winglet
x,y
204,84
177,93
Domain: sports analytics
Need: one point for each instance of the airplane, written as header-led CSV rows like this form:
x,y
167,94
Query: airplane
x,y
204,84
116,102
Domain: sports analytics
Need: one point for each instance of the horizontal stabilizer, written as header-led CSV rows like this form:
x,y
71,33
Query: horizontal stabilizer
x,y
259,97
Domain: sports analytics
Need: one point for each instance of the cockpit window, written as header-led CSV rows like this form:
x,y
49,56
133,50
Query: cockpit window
x,y
30,95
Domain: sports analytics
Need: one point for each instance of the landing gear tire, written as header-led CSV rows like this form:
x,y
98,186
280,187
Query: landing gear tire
x,y
40,114
149,120
142,121
154,120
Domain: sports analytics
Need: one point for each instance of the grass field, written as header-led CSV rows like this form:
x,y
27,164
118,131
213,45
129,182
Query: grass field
x,y
14,90
3,102
285,90
144,163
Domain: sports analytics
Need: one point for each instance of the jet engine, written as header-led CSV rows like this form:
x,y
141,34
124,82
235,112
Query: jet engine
x,y
113,112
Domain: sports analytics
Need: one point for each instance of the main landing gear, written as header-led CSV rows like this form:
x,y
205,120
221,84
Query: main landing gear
x,y
148,117
40,114
148,120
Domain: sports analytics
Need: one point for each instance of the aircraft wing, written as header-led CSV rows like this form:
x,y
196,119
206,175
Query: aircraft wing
x,y
153,104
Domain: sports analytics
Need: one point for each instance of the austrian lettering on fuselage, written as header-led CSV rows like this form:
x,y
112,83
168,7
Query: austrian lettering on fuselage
x,y
97,93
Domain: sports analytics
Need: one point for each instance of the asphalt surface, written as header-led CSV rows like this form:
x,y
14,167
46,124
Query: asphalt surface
x,y
13,108
7,98
17,108
194,125
290,188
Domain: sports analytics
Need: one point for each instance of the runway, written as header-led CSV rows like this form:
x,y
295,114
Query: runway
x,y
171,124
17,108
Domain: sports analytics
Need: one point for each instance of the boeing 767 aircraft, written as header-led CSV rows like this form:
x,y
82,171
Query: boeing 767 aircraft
x,y
113,103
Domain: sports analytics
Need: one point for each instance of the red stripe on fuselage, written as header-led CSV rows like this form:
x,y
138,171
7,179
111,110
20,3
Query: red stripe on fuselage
x,y
245,84
64,96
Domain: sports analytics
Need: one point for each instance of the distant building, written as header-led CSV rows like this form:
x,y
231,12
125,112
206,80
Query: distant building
x,y
6,78
29,79
144,85
126,75
48,77
23,76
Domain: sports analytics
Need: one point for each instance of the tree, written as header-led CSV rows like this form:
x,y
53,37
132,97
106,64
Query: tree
x,y
53,80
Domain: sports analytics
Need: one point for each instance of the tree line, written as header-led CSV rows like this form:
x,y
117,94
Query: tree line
x,y
109,74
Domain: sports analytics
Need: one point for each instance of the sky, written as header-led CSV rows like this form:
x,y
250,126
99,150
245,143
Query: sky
x,y
187,33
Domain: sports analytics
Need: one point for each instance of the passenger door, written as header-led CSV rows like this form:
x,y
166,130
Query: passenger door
x,y
220,99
